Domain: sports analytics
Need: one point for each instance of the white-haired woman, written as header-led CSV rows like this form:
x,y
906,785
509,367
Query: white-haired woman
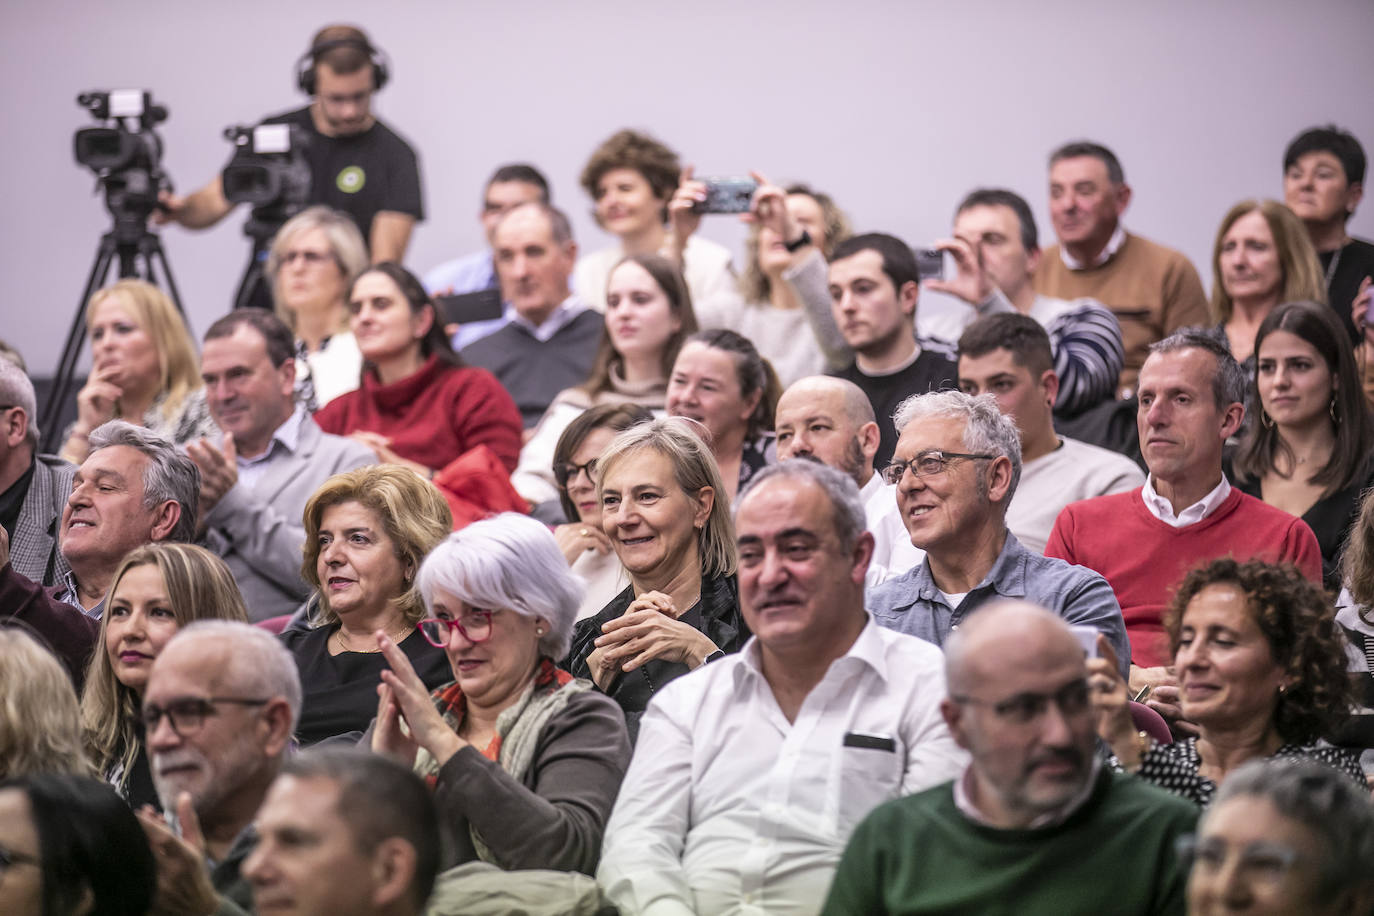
x,y
525,759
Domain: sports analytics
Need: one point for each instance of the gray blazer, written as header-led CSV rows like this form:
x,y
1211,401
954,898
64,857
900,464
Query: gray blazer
x,y
33,549
260,532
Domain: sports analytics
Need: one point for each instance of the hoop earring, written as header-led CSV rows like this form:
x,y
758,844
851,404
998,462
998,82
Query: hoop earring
x,y
1335,418
1266,420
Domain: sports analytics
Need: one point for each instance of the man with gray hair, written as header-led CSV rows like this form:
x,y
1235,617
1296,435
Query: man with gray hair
x,y
1192,398
33,487
956,466
752,771
550,336
222,702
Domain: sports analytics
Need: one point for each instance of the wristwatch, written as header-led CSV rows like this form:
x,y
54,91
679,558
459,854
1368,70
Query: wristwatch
x,y
713,657
801,242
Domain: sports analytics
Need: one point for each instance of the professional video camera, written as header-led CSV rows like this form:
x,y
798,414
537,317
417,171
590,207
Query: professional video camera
x,y
124,152
269,171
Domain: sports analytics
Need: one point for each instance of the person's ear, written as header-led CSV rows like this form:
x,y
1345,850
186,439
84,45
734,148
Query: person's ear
x,y
276,726
1033,260
999,478
953,714
1049,383
861,557
750,404
705,499
287,374
1122,193
907,297
1231,419
16,426
165,518
393,871
870,437
423,321
1353,195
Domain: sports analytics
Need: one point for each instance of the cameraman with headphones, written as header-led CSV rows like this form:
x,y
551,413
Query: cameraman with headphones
x,y
358,164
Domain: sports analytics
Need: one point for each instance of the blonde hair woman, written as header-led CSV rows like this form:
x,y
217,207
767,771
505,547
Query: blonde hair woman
x,y
40,725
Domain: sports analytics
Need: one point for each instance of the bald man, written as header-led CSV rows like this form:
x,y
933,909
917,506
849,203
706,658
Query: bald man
x,y
1036,818
831,420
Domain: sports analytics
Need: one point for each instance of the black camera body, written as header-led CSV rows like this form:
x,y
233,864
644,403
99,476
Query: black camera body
x,y
125,153
270,172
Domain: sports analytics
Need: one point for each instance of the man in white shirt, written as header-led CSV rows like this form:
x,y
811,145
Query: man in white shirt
x,y
831,421
754,770
1008,356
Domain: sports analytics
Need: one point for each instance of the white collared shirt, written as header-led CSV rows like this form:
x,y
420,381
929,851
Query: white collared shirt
x,y
1163,510
287,436
566,311
1112,247
728,808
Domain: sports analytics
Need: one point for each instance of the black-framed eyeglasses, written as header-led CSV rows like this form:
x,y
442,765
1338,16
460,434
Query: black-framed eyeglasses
x,y
188,715
1259,863
565,474
10,858
475,625
1023,708
926,464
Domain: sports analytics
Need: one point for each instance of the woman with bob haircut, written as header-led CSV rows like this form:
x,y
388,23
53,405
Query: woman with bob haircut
x,y
73,848
366,533
156,590
665,511
40,722
143,369
313,259
1261,671
648,316
1311,452
1262,256
630,178
1283,836
524,759
417,405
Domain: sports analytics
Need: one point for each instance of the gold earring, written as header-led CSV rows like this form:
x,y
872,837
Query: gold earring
x,y
1266,420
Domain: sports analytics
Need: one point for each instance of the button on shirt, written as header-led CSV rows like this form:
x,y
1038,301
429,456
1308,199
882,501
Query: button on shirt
x,y
730,809
1163,510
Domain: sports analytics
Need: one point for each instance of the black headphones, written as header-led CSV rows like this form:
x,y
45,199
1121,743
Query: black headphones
x,y
305,67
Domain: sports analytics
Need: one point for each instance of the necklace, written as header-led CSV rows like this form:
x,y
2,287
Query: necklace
x,y
1331,268
341,638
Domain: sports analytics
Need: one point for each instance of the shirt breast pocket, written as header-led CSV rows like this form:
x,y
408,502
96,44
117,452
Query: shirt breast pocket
x,y
870,774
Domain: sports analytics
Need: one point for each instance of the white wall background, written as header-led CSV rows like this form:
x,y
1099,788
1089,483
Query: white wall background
x,y
896,108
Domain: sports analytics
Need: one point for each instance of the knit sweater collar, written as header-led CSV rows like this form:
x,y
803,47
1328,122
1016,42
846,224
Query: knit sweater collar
x,y
396,395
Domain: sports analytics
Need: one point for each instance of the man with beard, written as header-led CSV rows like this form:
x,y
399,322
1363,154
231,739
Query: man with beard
x,y
1036,818
221,705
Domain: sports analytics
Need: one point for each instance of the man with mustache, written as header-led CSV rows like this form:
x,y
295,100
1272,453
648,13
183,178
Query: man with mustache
x,y
1036,824
219,710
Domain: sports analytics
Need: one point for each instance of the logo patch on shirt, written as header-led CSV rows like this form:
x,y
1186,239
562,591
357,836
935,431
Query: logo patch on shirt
x,y
351,180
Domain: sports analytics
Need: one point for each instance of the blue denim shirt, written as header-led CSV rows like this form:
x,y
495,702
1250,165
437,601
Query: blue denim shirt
x,y
911,603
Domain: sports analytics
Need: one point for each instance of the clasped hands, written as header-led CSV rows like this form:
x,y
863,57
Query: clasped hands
x,y
648,630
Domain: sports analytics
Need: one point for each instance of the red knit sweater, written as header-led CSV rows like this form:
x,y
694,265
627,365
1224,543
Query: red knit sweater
x,y
432,416
1144,559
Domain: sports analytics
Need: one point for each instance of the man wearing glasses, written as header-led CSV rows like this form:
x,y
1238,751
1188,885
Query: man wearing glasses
x,y
1036,824
221,705
956,466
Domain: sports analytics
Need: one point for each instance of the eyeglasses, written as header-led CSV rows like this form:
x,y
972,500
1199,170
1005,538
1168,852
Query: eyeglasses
x,y
311,258
1260,863
565,474
1024,708
187,716
10,858
474,625
926,464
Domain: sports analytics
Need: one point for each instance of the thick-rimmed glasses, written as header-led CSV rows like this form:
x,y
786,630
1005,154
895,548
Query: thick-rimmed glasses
x,y
926,464
474,625
188,715
10,858
565,474
1024,708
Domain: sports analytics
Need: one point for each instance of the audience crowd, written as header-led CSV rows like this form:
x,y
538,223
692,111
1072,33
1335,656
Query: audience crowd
x,y
673,589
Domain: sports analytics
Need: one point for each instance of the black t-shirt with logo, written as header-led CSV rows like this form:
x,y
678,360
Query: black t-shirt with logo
x,y
361,174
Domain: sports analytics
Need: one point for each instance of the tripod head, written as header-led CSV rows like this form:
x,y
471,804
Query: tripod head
x,y
125,153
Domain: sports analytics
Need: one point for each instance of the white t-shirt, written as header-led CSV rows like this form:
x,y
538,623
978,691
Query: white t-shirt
x,y
1074,471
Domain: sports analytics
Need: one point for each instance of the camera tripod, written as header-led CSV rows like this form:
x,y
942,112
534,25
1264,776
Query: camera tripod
x,y
254,289
129,241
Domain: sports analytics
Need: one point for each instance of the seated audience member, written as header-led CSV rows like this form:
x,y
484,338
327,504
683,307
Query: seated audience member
x,y
1323,182
720,381
40,722
143,369
157,590
1007,355
314,259
584,545
508,187
874,285
1262,257
366,533
72,848
418,405
344,832
255,482
956,469
1283,836
1355,615
33,487
525,760
1036,818
1260,665
831,421
62,629
751,775
546,326
1152,290
219,710
1312,452
648,317
794,231
666,513
996,249
631,177
1192,394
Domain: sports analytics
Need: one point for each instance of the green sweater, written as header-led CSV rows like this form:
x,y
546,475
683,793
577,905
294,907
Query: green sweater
x,y
1114,855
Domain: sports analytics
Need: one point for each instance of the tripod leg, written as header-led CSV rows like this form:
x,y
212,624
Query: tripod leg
x,y
155,251
76,336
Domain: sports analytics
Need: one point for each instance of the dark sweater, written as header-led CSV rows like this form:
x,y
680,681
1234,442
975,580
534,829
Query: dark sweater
x,y
933,370
533,371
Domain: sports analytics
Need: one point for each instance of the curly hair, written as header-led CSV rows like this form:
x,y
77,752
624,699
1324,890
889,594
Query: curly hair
x,y
1295,617
630,149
